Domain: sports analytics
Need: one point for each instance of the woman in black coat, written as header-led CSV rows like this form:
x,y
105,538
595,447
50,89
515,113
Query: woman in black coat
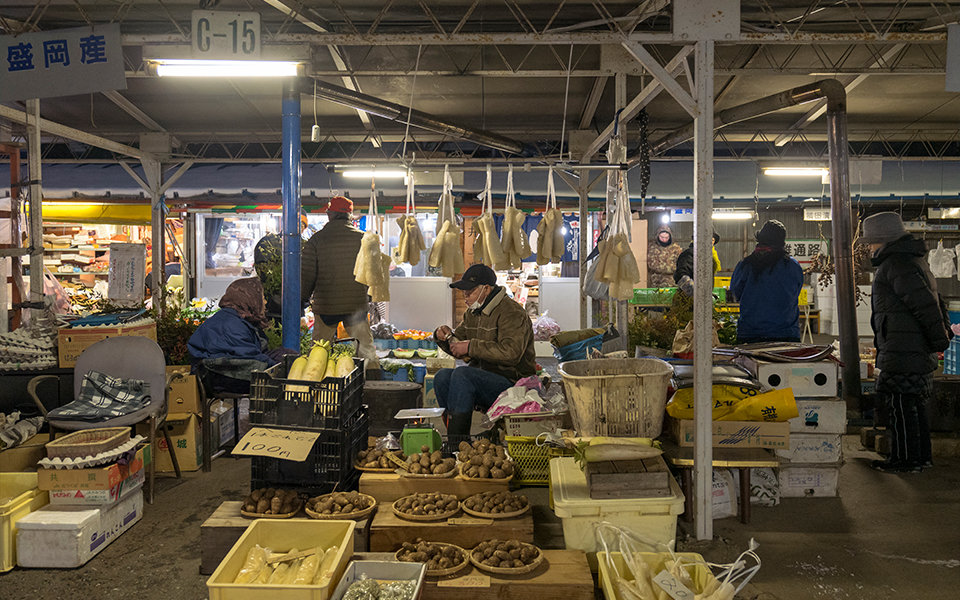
x,y
909,327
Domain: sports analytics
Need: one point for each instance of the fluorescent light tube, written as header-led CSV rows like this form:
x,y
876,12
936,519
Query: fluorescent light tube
x,y
734,215
225,68
796,171
375,174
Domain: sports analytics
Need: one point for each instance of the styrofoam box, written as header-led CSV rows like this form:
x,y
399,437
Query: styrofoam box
x,y
809,481
820,415
812,448
809,379
654,519
69,536
381,571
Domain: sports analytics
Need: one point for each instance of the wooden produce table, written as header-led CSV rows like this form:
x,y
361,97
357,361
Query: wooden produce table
x,y
225,526
388,531
743,459
563,574
387,487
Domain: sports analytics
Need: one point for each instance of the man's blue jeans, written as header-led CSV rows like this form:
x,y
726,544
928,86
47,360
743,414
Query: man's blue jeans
x,y
462,389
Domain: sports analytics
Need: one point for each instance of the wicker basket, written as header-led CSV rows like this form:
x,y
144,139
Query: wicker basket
x,y
87,442
619,397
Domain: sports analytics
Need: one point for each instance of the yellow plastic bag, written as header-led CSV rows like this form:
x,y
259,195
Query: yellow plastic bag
x,y
776,405
725,397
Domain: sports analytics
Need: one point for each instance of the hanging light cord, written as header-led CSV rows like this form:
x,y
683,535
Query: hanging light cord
x,y
413,88
566,97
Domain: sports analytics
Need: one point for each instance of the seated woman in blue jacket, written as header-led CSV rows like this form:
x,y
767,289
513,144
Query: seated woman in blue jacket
x,y
767,284
231,344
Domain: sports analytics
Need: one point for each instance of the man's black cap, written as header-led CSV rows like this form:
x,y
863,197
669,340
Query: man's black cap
x,y
478,274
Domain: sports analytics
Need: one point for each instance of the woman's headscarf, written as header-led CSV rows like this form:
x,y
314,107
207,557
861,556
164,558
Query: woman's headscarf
x,y
246,297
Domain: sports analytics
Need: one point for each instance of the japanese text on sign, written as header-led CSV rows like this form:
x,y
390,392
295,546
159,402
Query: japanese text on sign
x,y
805,250
61,62
287,444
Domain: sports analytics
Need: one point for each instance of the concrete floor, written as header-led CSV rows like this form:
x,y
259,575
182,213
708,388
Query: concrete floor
x,y
888,537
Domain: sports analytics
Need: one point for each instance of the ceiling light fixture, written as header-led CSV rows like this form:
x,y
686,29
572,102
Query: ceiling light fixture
x,y
796,171
375,174
176,67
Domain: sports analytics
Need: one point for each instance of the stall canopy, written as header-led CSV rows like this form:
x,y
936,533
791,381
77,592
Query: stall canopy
x,y
96,214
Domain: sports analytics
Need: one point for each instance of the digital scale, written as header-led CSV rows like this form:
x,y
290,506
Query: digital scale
x,y
417,432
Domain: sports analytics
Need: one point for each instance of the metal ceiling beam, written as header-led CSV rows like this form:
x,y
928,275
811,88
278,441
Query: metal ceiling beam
x,y
548,39
131,109
592,101
342,70
663,76
849,84
20,117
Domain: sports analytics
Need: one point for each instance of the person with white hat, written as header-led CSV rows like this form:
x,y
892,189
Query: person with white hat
x,y
910,326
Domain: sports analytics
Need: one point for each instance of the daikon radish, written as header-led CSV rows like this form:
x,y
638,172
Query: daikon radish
x,y
256,559
308,568
327,567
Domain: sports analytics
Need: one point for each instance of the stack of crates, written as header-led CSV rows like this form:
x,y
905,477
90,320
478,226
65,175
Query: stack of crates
x,y
811,466
333,408
951,357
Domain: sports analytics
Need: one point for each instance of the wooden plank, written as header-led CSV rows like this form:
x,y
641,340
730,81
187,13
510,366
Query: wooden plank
x,y
647,478
225,526
388,531
387,487
563,574
722,457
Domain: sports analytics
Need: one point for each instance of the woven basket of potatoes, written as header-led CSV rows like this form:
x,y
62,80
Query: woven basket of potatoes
x,y
495,505
374,460
441,558
271,503
340,505
426,507
510,557
429,464
483,460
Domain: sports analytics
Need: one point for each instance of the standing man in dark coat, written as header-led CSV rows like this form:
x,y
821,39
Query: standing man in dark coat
x,y
909,327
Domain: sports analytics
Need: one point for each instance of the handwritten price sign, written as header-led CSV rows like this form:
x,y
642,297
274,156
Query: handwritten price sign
x,y
277,443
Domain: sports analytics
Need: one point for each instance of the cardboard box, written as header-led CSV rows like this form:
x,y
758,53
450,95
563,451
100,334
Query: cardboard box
x,y
65,537
812,448
25,456
808,380
820,415
71,342
736,434
184,430
97,498
808,481
183,395
97,478
221,422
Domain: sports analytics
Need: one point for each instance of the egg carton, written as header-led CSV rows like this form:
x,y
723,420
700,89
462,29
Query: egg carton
x,y
28,365
109,456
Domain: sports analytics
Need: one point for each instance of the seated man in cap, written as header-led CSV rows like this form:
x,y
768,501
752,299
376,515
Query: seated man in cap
x,y
495,338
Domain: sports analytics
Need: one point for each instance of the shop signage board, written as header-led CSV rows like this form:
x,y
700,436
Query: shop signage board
x,y
125,282
227,35
805,250
286,444
61,62
816,214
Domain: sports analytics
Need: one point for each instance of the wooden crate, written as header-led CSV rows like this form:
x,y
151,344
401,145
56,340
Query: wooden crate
x,y
388,531
387,487
563,574
225,526
647,478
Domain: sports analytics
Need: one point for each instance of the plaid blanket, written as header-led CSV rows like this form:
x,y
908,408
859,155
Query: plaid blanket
x,y
103,397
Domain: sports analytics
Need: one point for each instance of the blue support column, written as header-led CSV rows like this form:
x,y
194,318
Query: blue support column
x,y
290,192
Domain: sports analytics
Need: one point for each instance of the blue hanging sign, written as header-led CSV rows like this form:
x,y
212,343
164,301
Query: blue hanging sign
x,y
62,62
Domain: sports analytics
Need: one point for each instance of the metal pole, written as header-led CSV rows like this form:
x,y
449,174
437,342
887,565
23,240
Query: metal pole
x,y
582,216
36,202
190,250
842,247
703,291
290,192
151,172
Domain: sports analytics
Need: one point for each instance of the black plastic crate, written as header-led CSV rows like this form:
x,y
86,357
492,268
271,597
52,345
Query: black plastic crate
x,y
329,465
323,405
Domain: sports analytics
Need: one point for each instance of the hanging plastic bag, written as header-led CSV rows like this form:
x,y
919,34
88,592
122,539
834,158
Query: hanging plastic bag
x,y
446,253
942,262
411,243
544,327
372,267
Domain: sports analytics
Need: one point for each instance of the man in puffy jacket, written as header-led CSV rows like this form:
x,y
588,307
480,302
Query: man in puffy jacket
x,y
326,273
662,257
909,327
495,338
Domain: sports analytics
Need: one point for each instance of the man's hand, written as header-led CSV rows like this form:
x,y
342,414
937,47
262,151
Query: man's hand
x,y
443,333
459,349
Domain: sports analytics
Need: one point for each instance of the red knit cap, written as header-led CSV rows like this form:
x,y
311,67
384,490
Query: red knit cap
x,y
340,204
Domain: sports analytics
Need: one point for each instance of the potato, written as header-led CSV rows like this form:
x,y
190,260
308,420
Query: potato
x,y
476,460
496,473
250,507
263,505
255,495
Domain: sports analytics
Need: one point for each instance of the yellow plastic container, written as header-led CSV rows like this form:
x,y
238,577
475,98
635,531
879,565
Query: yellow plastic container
x,y
19,497
282,535
721,282
698,570
653,519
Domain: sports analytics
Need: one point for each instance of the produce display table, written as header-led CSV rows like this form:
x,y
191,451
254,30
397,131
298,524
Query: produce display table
x,y
388,531
563,574
387,487
225,526
743,459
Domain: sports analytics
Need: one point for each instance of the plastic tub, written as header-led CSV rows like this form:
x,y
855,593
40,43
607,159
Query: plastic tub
x,y
653,519
19,496
698,570
381,571
620,397
281,536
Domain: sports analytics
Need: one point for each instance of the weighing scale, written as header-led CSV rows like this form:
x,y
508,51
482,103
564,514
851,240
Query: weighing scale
x,y
417,432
